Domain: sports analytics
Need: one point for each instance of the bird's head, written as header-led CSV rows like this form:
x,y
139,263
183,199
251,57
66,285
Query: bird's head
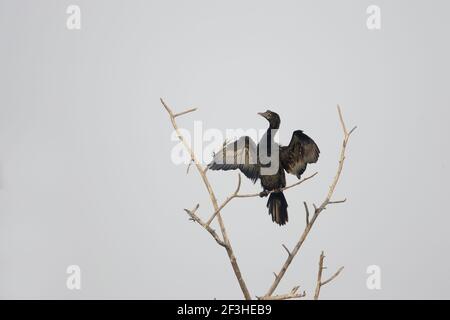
x,y
272,117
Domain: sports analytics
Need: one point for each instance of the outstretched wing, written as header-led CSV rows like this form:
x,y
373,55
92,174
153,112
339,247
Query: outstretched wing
x,y
240,154
300,151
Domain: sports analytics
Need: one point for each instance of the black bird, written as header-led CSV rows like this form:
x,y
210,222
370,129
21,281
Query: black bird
x,y
256,161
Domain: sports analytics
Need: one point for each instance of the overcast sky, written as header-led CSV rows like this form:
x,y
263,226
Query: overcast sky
x,y
86,176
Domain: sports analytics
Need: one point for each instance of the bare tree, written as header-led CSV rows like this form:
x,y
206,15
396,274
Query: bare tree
x,y
223,240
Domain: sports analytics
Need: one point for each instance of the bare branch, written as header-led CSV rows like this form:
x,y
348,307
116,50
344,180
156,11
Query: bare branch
x,y
184,112
250,195
338,201
341,119
188,167
319,275
231,197
307,212
321,283
197,219
294,294
317,210
287,250
353,129
213,199
333,276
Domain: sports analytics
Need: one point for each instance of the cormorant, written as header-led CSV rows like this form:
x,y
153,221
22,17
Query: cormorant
x,y
259,162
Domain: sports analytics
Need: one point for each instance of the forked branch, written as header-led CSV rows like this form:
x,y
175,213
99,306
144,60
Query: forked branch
x,y
321,283
196,218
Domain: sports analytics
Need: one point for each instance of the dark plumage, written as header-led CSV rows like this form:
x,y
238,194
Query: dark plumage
x,y
254,161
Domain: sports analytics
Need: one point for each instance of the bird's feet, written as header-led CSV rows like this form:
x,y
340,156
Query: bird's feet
x,y
264,193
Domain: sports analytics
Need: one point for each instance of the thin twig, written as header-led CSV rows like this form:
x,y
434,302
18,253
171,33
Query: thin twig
x,y
307,212
317,210
184,112
188,167
333,276
227,200
294,294
196,218
337,201
250,195
287,250
212,197
321,283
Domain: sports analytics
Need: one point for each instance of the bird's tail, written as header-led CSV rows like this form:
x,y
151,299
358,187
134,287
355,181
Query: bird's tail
x,y
277,205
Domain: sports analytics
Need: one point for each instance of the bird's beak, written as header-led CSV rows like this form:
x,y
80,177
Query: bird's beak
x,y
263,114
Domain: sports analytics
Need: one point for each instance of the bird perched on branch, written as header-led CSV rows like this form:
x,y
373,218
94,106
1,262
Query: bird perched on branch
x,y
267,161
